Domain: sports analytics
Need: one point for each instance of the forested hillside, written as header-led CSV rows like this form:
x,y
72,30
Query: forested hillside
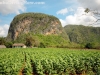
x,y
42,30
83,35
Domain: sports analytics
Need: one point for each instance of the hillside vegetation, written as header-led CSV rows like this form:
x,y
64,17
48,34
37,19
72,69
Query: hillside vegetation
x,y
36,23
84,35
42,30
39,40
38,29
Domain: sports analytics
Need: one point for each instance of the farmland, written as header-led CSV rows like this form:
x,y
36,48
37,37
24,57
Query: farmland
x,y
49,61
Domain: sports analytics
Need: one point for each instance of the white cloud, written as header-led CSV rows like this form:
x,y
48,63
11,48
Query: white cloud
x,y
4,30
91,4
62,11
71,10
78,18
11,6
63,22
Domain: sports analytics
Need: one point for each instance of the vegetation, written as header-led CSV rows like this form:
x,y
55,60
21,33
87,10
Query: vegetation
x,y
83,35
2,40
36,18
31,29
29,41
10,61
76,36
89,45
37,23
43,40
49,61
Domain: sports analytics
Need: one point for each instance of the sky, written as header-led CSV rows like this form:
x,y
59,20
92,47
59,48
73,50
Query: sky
x,y
67,11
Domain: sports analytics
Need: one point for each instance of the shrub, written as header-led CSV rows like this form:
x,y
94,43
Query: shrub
x,y
89,45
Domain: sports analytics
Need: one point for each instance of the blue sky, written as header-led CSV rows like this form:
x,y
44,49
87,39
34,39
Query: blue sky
x,y
68,11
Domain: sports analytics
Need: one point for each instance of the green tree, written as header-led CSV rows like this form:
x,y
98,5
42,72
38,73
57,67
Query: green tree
x,y
2,40
32,41
89,45
42,45
29,41
9,44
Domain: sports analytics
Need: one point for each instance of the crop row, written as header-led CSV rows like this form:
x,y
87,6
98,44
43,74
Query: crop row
x,y
10,62
63,62
46,61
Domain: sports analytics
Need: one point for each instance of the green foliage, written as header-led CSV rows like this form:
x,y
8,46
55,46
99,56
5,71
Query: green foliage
x,y
8,44
34,23
87,10
50,61
89,45
29,41
83,34
42,45
75,36
2,41
11,62
43,40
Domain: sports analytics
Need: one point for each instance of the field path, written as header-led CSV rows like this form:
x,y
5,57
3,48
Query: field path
x,y
23,66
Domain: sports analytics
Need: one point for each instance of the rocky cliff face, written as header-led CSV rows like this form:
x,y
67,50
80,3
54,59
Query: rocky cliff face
x,y
35,23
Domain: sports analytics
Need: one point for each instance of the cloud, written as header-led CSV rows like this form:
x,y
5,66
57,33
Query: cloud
x,y
4,30
62,11
11,6
78,18
91,4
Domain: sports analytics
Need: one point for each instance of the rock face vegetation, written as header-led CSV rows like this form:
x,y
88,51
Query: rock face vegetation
x,y
43,28
47,31
36,23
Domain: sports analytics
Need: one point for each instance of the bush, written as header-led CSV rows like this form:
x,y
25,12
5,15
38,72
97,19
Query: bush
x,y
89,45
9,44
42,45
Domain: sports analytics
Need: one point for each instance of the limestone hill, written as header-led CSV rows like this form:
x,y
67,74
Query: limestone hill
x,y
42,27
